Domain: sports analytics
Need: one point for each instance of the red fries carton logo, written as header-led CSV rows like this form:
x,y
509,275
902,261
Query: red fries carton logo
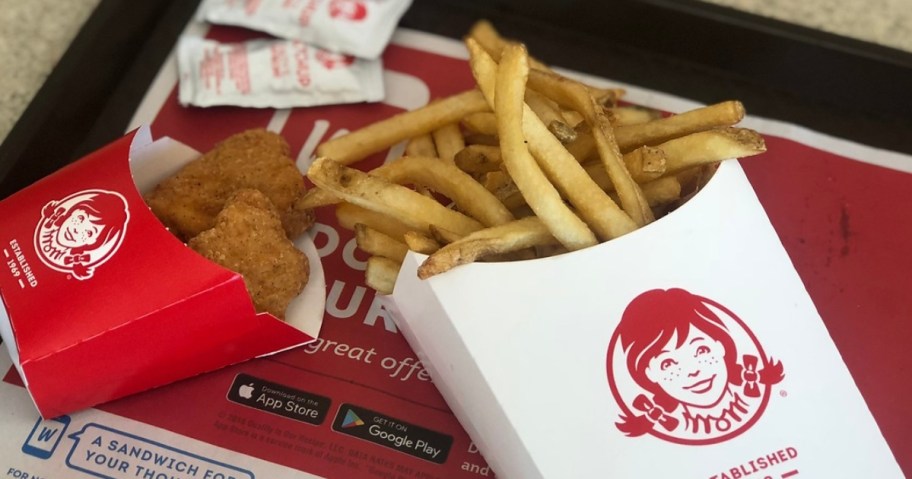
x,y
82,231
685,369
354,10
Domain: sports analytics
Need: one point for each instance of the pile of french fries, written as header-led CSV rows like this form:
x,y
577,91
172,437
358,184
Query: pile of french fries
x,y
528,164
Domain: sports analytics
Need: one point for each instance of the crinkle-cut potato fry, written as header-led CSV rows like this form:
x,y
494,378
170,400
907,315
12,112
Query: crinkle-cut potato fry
x,y
360,143
504,87
574,95
376,243
518,235
381,273
482,122
597,209
421,243
711,146
421,145
350,215
448,140
382,196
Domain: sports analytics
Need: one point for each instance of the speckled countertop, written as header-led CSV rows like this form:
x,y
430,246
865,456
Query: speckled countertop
x,y
34,34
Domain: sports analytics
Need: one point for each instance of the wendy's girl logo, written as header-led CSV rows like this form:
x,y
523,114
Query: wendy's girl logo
x,y
80,232
685,369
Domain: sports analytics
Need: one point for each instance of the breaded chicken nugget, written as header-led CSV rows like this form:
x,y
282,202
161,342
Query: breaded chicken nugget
x,y
248,238
188,202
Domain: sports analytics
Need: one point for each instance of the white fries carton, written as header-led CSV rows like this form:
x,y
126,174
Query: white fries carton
x,y
689,348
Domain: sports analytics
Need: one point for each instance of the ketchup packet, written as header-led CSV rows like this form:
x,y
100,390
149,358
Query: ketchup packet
x,y
273,74
356,27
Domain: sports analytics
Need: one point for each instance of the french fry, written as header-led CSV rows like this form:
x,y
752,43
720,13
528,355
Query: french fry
x,y
448,140
652,133
421,145
606,97
572,118
443,235
576,96
421,243
383,134
482,122
551,116
470,196
583,147
632,115
377,194
381,274
489,38
596,208
477,160
481,139
645,164
543,164
350,215
376,243
659,131
662,191
710,147
515,236
504,87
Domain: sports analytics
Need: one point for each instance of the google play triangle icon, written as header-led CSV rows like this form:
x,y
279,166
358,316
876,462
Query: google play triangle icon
x,y
351,419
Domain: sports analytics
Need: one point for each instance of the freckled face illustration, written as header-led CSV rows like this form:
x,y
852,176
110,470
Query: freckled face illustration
x,y
693,373
79,229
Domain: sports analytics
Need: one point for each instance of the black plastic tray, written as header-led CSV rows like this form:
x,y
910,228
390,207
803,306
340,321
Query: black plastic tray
x,y
835,85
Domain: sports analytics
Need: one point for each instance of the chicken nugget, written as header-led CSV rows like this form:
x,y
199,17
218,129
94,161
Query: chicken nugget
x,y
188,202
248,238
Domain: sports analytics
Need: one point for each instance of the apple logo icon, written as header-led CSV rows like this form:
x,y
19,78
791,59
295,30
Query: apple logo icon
x,y
246,391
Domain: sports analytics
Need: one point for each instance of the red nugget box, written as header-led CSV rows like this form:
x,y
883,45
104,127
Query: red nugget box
x,y
100,301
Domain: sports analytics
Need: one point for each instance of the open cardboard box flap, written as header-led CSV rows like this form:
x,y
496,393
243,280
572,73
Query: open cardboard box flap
x,y
97,313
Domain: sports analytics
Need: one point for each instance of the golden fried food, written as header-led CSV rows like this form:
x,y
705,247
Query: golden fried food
x,y
248,238
188,202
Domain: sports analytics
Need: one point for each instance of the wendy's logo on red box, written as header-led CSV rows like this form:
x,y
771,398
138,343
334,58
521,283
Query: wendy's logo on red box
x,y
354,10
687,370
80,232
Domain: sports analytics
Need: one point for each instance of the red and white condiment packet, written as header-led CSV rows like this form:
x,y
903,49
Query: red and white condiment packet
x,y
273,74
355,27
